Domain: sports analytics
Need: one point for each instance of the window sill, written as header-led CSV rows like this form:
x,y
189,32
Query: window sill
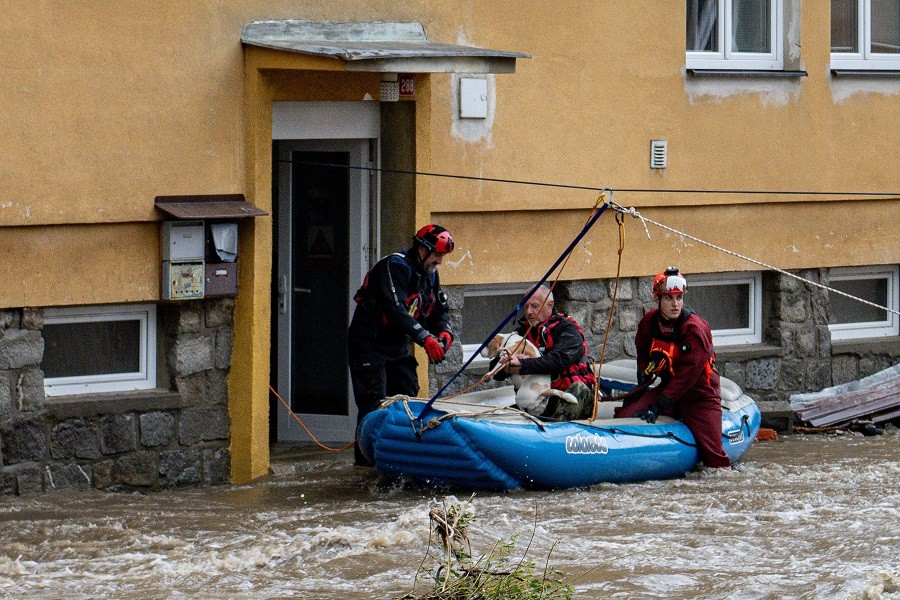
x,y
92,405
744,73
889,345
747,352
865,73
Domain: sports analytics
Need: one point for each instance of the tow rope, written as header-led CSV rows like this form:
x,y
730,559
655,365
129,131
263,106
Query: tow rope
x,y
599,208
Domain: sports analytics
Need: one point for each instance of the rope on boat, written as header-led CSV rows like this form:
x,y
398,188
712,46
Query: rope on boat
x,y
620,220
599,208
308,432
634,213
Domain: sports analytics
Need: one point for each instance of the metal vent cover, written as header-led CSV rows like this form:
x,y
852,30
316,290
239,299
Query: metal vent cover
x,y
658,154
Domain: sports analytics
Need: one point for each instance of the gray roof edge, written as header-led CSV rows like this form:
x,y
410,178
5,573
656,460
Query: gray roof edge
x,y
296,29
359,41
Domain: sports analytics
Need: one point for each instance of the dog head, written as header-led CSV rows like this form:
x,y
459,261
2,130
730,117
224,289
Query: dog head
x,y
493,347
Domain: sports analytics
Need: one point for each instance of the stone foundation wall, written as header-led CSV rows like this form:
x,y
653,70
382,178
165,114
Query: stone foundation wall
x,y
177,434
796,354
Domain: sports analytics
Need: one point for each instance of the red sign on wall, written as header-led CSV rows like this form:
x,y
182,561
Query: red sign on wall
x,y
407,85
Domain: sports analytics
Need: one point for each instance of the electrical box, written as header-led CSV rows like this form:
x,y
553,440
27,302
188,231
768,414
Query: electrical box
x,y
183,280
183,241
473,98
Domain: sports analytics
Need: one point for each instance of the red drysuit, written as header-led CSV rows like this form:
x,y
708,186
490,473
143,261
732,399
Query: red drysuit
x,y
689,387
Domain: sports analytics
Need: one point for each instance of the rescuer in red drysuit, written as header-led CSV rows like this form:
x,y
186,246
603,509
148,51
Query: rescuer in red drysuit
x,y
675,344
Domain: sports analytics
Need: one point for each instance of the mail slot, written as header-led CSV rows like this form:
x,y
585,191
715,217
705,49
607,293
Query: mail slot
x,y
221,279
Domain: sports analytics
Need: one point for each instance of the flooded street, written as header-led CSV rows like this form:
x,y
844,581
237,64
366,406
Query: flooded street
x,y
802,517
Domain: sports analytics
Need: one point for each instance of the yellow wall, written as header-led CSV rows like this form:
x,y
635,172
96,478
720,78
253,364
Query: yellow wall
x,y
108,104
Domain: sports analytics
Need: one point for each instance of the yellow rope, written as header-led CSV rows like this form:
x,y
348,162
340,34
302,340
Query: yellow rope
x,y
598,366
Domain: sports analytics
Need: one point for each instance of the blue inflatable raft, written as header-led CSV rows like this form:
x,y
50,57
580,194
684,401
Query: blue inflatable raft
x,y
481,441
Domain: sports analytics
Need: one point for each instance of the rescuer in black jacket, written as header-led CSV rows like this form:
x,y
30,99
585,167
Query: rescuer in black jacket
x,y
399,303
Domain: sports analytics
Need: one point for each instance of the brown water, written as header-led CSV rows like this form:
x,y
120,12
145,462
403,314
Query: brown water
x,y
802,517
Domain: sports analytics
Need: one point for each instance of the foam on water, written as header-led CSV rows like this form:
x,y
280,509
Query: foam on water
x,y
801,517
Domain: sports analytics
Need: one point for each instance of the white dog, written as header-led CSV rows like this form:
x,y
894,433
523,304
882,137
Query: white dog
x,y
532,391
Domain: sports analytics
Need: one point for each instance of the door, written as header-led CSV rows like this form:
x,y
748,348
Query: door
x,y
322,243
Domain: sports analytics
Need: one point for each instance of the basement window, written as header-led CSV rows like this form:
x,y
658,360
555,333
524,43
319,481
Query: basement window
x,y
850,319
91,349
731,303
484,308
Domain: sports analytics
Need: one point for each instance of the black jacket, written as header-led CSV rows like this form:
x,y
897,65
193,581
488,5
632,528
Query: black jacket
x,y
398,303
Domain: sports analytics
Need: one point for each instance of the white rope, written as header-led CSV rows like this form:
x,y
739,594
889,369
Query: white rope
x,y
634,213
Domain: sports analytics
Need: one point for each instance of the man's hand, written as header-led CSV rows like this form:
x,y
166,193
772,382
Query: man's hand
x,y
515,363
446,340
433,349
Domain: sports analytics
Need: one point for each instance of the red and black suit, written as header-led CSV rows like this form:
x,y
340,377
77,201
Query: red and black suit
x,y
398,303
564,353
681,353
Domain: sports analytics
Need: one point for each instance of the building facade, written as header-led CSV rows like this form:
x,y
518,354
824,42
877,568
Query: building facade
x,y
191,194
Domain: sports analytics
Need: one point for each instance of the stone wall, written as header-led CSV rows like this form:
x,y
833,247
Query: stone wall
x,y
796,354
177,434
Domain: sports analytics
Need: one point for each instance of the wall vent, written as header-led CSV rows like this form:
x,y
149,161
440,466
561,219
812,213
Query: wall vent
x,y
658,154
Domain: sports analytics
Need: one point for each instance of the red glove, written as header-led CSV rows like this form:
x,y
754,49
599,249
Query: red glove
x,y
446,340
434,350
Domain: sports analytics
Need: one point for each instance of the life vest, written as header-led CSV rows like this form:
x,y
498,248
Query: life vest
x,y
544,340
666,350
420,300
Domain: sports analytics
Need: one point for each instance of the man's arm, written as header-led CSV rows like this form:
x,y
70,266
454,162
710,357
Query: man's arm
x,y
567,350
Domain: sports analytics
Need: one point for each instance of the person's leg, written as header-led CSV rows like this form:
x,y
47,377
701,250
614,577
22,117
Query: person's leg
x,y
585,396
367,375
402,377
704,419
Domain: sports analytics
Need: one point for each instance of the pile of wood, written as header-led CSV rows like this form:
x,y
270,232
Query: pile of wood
x,y
875,398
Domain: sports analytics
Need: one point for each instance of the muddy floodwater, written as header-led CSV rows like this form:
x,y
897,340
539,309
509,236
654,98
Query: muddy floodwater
x,y
805,516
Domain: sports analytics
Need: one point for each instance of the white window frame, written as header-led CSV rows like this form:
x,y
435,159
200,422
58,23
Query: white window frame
x,y
144,378
870,329
865,59
493,290
728,59
752,334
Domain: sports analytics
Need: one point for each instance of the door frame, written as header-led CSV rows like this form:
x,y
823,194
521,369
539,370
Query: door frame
x,y
322,126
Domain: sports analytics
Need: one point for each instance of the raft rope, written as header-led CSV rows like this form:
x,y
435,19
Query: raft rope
x,y
308,432
620,210
634,213
599,208
598,365
505,353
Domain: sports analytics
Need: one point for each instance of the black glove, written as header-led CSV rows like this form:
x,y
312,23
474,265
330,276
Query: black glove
x,y
651,413
654,410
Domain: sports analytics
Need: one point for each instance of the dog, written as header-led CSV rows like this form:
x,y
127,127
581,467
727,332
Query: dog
x,y
533,391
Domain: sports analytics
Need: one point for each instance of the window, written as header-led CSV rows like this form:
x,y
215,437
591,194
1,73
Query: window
x,y
99,349
852,319
865,34
732,303
484,308
734,34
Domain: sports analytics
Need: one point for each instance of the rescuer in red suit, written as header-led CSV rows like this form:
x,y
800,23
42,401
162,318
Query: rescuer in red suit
x,y
675,344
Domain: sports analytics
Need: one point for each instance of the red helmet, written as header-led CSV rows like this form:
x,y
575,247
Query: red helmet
x,y
668,281
434,238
